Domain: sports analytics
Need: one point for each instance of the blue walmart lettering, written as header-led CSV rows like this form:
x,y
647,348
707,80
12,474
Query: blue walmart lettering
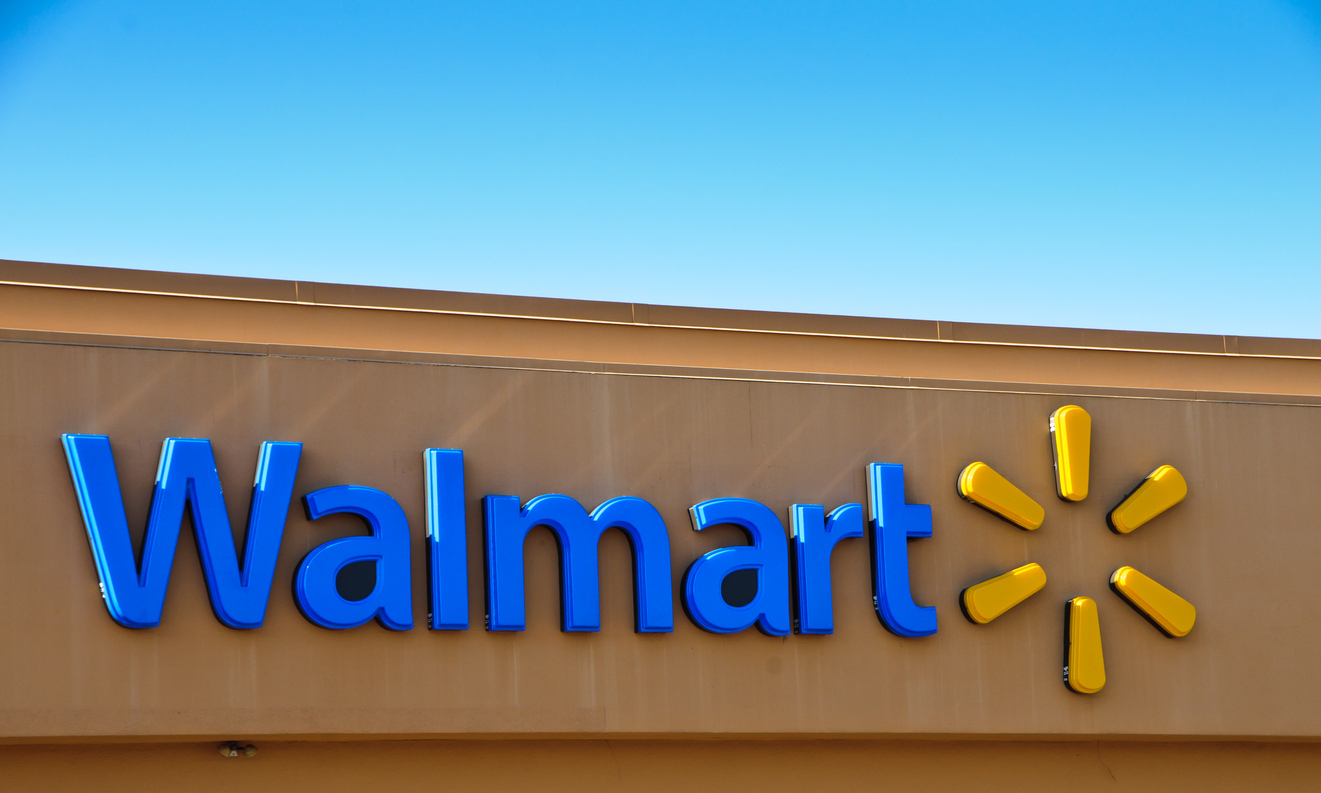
x,y
793,576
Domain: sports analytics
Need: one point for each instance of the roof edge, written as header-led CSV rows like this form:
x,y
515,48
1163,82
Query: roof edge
x,y
224,287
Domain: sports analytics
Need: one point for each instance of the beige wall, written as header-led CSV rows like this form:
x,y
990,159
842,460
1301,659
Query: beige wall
x,y
596,405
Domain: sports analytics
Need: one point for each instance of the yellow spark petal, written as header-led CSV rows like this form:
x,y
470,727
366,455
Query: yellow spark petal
x,y
1071,443
980,484
985,601
1085,670
1162,489
1173,615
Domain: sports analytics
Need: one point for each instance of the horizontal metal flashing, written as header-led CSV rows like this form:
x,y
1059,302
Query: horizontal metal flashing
x,y
63,276
644,370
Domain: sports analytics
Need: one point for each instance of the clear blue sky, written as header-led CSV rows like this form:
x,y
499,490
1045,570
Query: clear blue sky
x,y
1147,165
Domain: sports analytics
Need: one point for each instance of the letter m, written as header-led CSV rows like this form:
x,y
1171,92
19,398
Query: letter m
x,y
578,535
187,476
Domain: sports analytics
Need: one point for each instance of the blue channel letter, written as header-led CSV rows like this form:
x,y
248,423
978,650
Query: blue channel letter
x,y
391,601
894,523
447,541
578,536
187,476
768,555
815,536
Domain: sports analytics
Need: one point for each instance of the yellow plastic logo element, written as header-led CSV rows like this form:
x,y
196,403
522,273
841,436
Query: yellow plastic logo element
x,y
985,601
1071,440
1071,443
1162,489
1173,615
1085,672
983,486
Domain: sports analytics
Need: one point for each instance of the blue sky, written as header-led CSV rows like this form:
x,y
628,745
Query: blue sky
x,y
1137,165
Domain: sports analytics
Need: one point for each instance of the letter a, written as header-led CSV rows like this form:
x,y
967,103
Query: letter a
x,y
315,590
768,555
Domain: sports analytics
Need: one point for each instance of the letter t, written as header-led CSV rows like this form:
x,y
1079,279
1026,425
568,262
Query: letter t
x,y
893,523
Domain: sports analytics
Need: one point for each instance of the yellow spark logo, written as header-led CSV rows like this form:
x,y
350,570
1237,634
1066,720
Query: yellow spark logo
x,y
1071,432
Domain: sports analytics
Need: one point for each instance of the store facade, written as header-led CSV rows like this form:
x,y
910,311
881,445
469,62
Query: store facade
x,y
469,558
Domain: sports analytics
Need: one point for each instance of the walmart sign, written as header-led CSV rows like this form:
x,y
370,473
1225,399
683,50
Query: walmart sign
x,y
789,597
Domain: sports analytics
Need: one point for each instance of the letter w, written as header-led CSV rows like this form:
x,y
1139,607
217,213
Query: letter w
x,y
187,476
